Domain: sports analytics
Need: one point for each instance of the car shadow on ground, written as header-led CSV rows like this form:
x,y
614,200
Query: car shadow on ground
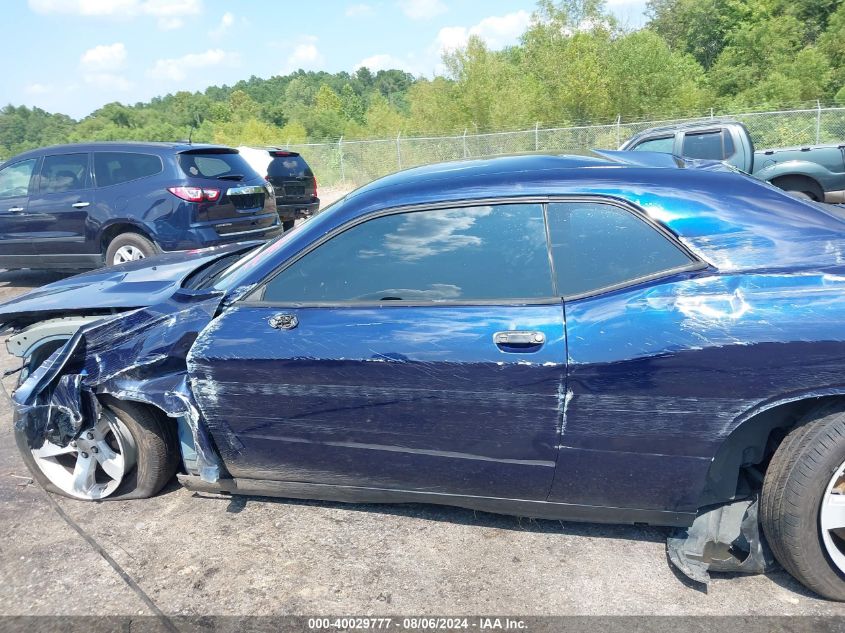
x,y
461,516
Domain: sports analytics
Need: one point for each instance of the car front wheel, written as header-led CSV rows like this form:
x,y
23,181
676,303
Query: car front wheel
x,y
130,452
803,502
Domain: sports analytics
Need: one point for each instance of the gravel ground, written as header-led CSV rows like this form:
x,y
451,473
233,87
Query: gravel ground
x,y
195,554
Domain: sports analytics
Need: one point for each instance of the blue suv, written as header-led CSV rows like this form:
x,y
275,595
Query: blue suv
x,y
82,206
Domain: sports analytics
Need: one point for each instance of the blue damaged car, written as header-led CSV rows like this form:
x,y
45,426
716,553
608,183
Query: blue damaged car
x,y
625,337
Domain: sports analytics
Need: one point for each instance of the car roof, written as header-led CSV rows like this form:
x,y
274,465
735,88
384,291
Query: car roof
x,y
673,128
130,146
729,219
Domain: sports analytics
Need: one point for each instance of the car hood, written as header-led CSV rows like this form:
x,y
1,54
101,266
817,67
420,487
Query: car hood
x,y
131,285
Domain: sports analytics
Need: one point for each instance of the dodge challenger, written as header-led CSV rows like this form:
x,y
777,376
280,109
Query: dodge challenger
x,y
624,337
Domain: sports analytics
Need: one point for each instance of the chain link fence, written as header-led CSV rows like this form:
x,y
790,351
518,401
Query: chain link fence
x,y
349,164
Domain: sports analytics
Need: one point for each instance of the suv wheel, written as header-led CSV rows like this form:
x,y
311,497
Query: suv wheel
x,y
803,502
128,247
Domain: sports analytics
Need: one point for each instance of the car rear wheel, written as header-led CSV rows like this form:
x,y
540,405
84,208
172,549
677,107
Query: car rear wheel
x,y
130,452
128,247
287,225
803,502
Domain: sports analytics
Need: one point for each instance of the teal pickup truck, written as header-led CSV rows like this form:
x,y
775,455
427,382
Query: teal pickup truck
x,y
817,172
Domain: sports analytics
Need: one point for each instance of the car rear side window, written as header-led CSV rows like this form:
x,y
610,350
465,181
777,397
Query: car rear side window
x,y
216,165
707,145
289,167
14,179
664,145
113,168
597,246
64,172
460,254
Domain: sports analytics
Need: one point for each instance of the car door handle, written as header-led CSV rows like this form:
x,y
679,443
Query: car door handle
x,y
519,339
15,209
283,321
80,205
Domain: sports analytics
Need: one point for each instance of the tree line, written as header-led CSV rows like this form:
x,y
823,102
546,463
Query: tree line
x,y
575,64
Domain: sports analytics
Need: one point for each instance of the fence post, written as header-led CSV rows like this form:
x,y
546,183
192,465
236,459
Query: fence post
x,y
465,143
399,149
618,131
818,120
340,152
711,113
288,144
537,136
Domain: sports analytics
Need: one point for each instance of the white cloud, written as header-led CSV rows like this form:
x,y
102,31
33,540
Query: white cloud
x,y
226,23
305,55
422,9
177,69
84,7
497,31
104,57
169,14
358,10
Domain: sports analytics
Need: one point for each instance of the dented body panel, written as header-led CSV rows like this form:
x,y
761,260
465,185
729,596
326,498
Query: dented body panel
x,y
661,375
414,398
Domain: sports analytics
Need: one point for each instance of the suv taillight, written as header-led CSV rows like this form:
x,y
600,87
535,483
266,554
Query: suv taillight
x,y
195,194
314,195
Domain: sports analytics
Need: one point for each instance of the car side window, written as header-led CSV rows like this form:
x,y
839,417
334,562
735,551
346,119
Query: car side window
x,y
458,254
705,145
597,246
664,145
15,179
64,172
113,168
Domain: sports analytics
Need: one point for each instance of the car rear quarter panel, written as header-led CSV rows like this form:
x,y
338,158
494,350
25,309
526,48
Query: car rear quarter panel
x,y
660,376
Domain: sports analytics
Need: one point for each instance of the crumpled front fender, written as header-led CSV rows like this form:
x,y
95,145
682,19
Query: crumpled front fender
x,y
138,355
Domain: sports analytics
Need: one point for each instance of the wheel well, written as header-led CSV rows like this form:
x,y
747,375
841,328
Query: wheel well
x,y
113,230
740,463
799,182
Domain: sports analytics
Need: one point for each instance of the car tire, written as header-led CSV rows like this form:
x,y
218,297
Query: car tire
x,y
155,457
128,247
804,483
287,225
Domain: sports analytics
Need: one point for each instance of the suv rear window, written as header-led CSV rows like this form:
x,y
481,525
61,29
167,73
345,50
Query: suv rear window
x,y
216,165
113,168
292,166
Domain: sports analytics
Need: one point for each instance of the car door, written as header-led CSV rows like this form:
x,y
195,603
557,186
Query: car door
x,y
59,207
417,351
641,401
15,223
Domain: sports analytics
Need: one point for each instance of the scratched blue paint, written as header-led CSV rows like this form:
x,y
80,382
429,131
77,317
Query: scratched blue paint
x,y
399,397
623,407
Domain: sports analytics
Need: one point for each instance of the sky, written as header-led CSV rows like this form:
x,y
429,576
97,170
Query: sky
x,y
93,52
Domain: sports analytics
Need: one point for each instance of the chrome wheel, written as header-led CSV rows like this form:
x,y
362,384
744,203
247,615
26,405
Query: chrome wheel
x,y
93,466
127,253
832,518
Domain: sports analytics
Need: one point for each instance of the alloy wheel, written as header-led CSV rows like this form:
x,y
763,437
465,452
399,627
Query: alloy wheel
x,y
94,465
127,253
832,518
